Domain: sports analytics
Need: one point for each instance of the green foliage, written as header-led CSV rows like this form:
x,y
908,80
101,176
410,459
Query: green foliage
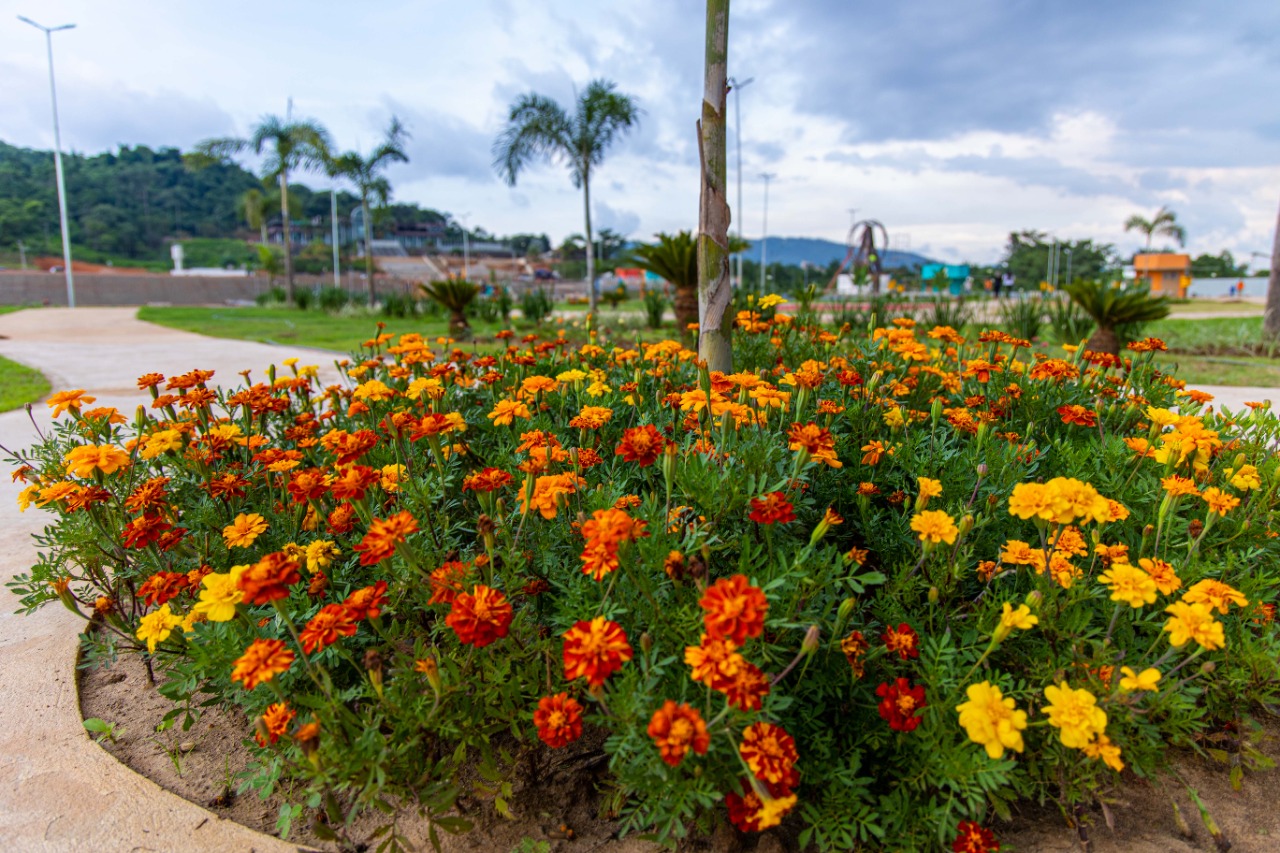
x,y
1022,318
1117,312
956,313
1027,256
455,296
655,307
536,305
1070,323
674,257
1222,265
20,384
614,296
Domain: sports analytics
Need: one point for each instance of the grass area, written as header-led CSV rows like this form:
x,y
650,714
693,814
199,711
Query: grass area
x,y
344,332
9,309
19,384
1235,336
1212,370
1215,306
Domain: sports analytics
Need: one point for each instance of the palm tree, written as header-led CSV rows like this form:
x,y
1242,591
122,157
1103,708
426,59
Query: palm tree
x,y
1165,223
365,173
675,258
715,289
288,145
1112,308
453,295
257,206
538,128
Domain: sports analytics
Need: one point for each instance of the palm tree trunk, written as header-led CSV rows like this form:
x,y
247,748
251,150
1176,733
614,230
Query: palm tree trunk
x,y
1104,339
591,255
686,306
1271,319
288,241
262,230
368,244
714,286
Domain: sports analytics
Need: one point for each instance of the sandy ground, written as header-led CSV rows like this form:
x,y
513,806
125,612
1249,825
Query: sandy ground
x,y
60,791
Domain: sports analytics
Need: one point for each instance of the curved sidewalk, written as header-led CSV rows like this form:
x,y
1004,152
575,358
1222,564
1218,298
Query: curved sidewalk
x,y
59,790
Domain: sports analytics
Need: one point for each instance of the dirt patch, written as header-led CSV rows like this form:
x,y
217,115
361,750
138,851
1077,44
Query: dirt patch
x,y
203,763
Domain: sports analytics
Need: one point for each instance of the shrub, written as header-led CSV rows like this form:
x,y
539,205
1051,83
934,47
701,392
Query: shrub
x,y
332,299
1022,318
1070,323
955,313
536,305
274,295
614,296
303,297
399,305
655,307
1118,312
454,297
881,590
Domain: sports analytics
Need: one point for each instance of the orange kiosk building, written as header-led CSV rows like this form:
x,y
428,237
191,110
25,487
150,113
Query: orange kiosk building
x,y
1166,273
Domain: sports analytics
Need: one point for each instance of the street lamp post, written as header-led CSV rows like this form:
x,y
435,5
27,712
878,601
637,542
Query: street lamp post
x,y
466,249
333,218
57,160
737,112
1068,251
764,237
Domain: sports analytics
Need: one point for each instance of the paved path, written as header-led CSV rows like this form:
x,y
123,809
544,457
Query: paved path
x,y
58,790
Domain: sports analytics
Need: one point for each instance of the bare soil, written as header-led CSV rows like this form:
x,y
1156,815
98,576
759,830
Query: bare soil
x,y
564,809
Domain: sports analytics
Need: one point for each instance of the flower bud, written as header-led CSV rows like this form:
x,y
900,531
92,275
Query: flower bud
x,y
982,469
845,610
935,411
1034,599
933,595
1208,667
965,525
646,642
373,664
810,643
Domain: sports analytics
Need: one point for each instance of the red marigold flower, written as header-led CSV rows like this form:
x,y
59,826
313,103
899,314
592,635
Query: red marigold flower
x,y
447,581
595,650
481,617
642,444
605,532
269,579
324,629
384,534
162,587
734,609
746,688
1078,415
144,530
488,480
900,703
367,602
769,751
308,484
715,661
341,520
354,482
262,661
903,640
559,720
973,838
772,508
1148,345
676,729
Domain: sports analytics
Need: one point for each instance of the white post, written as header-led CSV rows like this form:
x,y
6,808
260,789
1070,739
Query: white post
x,y
764,237
466,250
737,113
333,216
57,160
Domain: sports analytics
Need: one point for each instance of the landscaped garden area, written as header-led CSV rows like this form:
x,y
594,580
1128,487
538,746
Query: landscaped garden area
x,y
879,586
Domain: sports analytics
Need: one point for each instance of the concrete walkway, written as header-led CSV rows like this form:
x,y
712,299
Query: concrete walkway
x,y
58,790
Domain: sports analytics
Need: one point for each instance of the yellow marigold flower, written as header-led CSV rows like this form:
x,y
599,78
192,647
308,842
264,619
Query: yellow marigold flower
x,y
598,389
992,720
427,385
507,411
1030,500
1073,500
64,400
929,488
1129,585
1245,479
1106,750
893,418
771,300
1018,553
774,809
1145,680
1163,417
374,390
156,626
246,528
1116,511
571,376
1162,573
27,495
83,460
1075,714
160,442
1176,485
1219,501
935,526
1216,594
220,595
1193,622
1022,619
320,554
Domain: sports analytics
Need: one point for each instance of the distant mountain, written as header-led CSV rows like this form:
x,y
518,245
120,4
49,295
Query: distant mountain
x,y
793,250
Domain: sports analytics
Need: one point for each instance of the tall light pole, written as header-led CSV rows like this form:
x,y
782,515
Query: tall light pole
x,y
466,249
737,135
764,237
333,217
57,160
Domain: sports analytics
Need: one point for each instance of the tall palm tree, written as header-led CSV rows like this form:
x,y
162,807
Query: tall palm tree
x,y
1165,223
675,258
287,144
715,289
538,128
366,174
257,206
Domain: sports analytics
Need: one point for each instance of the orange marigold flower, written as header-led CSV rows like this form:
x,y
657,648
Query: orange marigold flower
x,y
447,581
324,629
1162,573
262,661
855,648
734,609
676,729
481,617
68,400
488,480
1219,501
241,532
269,579
595,650
872,451
714,661
507,411
274,723
1078,415
1148,345
746,688
642,444
903,640
354,481
769,751
772,508
547,491
367,602
384,534
816,441
559,720
605,532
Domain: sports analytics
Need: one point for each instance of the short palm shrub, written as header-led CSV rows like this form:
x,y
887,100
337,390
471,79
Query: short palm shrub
x,y
536,305
455,297
1022,318
1117,311
1070,323
872,589
655,307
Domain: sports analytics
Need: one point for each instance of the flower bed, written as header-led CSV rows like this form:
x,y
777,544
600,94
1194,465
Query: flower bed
x,y
874,587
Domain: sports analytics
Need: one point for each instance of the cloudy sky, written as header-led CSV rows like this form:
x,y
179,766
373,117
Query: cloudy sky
x,y
953,123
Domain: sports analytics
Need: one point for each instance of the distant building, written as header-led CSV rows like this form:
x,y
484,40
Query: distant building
x,y
1165,272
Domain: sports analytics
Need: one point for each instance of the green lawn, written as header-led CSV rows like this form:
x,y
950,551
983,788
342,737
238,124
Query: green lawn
x,y
19,384
346,331
1215,306
9,309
